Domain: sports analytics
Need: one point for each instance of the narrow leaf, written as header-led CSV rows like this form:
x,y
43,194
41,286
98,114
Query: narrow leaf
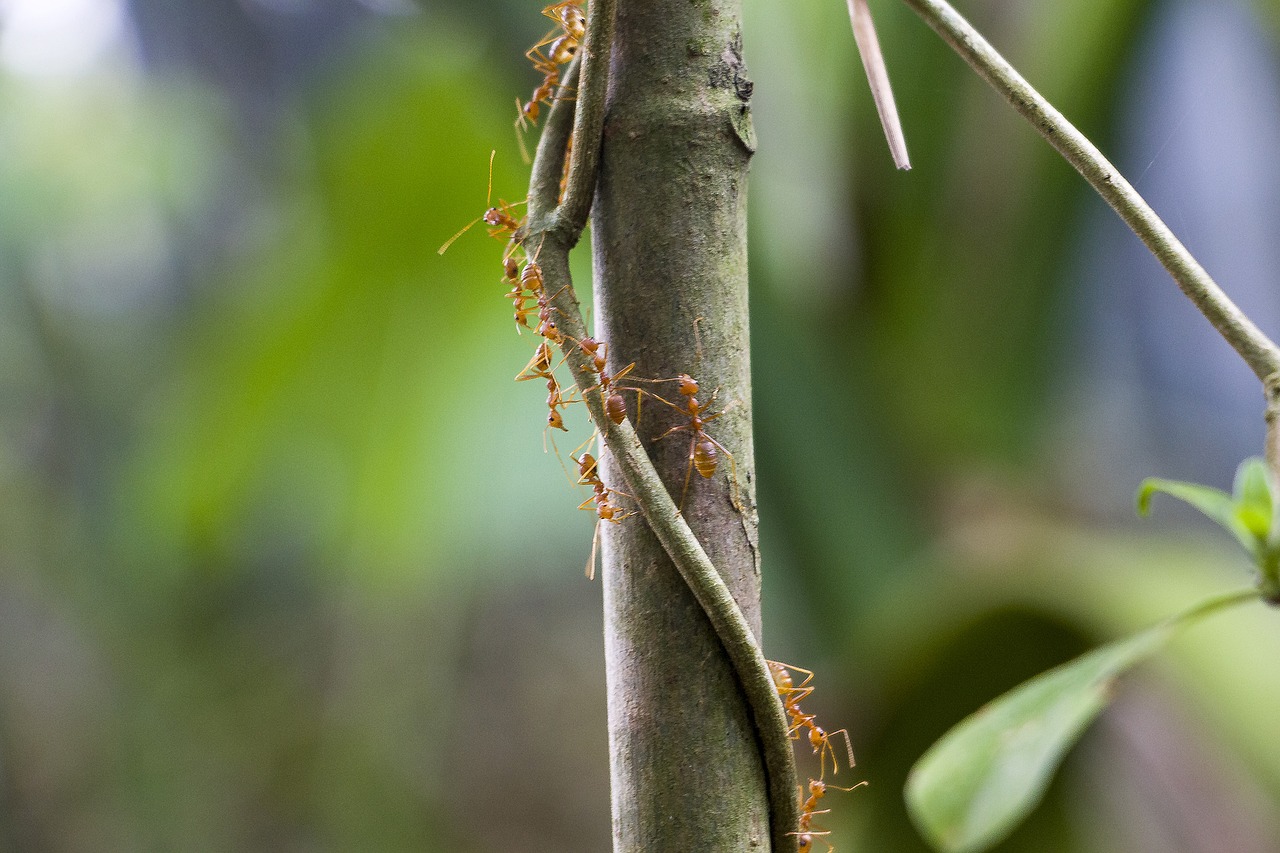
x,y
984,776
864,34
1215,503
1253,497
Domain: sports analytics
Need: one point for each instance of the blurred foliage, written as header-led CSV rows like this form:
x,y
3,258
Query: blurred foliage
x,y
284,563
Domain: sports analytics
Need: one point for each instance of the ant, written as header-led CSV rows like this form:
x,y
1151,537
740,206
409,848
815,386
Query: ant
x,y
786,686
615,406
526,284
561,49
539,367
819,738
499,219
530,285
517,294
704,451
806,834
568,14
589,475
531,279
550,69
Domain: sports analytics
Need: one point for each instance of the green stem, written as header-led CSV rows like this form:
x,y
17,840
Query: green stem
x,y
1258,351
1272,391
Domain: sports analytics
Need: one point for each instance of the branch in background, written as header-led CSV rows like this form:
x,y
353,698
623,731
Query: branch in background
x,y
550,233
1258,351
864,34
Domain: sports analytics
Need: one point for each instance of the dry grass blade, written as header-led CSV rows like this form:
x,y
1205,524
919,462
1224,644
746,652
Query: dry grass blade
x,y
864,33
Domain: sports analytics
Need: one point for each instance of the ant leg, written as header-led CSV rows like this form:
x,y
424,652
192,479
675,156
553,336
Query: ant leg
x,y
595,543
804,840
678,428
521,124
864,782
801,721
825,746
546,431
793,668
795,695
688,472
848,744
577,451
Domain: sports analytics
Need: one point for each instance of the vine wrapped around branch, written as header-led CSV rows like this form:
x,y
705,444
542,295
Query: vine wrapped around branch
x,y
553,227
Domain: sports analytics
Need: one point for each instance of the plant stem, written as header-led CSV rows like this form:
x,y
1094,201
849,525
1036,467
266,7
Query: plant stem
x,y
1258,351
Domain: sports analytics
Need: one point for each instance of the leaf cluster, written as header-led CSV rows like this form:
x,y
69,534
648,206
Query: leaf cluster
x,y
1247,513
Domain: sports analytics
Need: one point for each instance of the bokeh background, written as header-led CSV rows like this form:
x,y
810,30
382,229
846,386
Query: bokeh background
x,y
284,565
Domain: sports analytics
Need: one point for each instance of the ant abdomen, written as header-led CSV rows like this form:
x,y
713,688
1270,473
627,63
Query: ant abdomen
x,y
705,458
616,408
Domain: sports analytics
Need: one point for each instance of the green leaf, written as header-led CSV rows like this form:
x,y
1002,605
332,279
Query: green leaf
x,y
972,787
1215,503
1253,498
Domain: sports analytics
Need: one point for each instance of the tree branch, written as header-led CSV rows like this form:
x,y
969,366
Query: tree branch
x,y
1258,351
548,235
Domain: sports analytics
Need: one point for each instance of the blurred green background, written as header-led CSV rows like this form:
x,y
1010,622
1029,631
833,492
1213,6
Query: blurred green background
x,y
283,562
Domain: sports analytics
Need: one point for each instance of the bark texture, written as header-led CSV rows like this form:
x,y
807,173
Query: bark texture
x,y
669,243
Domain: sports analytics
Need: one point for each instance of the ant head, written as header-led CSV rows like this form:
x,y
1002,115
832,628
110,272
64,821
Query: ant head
x,y
817,787
493,217
554,420
688,385
804,842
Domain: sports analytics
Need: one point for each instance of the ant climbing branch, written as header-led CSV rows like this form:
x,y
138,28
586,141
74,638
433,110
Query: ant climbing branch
x,y
555,223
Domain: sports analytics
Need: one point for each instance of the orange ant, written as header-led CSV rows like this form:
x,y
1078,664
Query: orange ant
x,y
539,367
531,280
806,834
589,475
526,284
561,49
786,686
791,695
704,451
615,406
517,294
568,14
499,219
546,66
